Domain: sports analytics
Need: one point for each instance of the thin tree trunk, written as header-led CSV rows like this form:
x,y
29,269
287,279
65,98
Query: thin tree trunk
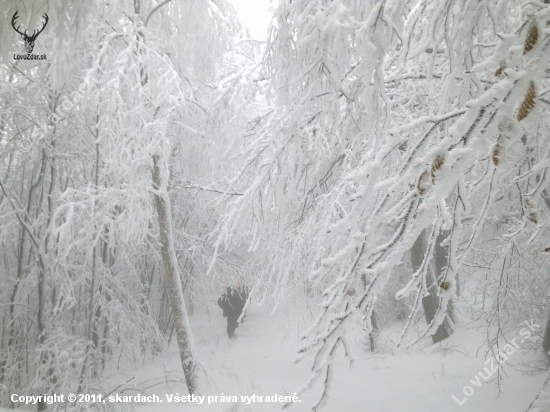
x,y
108,262
41,288
373,320
173,281
91,302
21,251
546,339
430,303
374,332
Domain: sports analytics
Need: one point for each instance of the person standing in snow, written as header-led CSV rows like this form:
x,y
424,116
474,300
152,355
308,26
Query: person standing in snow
x,y
232,303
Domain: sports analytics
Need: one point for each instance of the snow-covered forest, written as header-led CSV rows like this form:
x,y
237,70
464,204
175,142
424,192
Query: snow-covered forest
x,y
369,182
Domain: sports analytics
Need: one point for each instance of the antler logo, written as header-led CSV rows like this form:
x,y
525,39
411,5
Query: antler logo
x,y
29,40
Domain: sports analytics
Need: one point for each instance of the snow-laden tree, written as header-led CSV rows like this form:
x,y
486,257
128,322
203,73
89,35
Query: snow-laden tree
x,y
98,234
392,122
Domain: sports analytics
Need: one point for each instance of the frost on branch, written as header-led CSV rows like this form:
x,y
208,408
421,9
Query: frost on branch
x,y
389,124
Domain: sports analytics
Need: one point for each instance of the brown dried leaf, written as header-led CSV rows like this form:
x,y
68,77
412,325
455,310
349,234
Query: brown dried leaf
x,y
528,102
532,37
422,183
499,71
436,164
496,154
532,217
530,212
445,285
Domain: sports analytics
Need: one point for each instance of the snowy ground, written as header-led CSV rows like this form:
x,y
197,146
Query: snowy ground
x,y
259,360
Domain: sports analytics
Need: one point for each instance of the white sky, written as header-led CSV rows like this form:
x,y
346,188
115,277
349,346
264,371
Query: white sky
x,y
255,16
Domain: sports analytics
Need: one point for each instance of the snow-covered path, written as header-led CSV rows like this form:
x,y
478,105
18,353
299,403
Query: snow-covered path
x,y
259,360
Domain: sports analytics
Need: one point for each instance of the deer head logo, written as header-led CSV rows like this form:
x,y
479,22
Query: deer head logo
x,y
29,40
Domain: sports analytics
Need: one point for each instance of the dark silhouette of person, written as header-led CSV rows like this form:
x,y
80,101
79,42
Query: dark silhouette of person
x,y
232,303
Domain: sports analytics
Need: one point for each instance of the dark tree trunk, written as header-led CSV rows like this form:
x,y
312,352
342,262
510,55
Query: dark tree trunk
x,y
546,339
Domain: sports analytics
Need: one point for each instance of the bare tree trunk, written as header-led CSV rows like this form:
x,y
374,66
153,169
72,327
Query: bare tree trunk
x,y
173,282
546,339
21,250
374,332
373,320
107,257
90,349
430,303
